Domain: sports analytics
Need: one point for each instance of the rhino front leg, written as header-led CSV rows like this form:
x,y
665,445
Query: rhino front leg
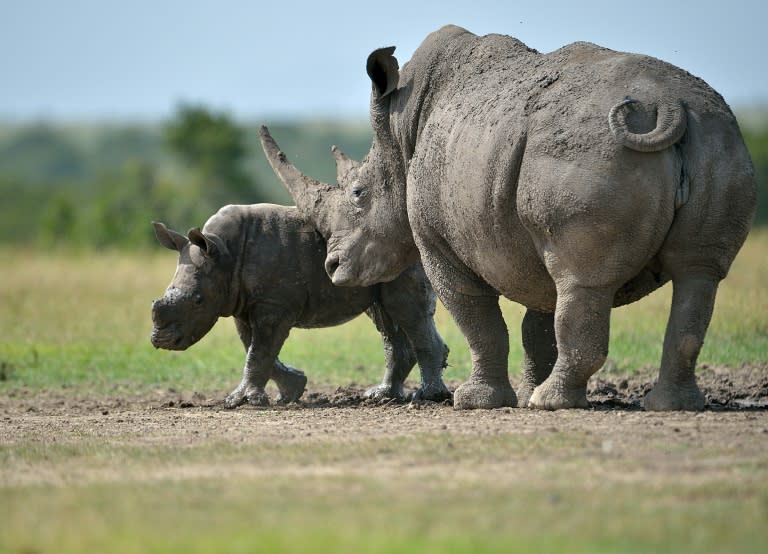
x,y
479,319
474,307
582,318
540,352
265,343
693,300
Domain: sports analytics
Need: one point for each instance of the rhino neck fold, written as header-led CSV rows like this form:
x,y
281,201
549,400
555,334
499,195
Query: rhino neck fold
x,y
235,303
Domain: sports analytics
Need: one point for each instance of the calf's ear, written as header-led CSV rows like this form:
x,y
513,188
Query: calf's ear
x,y
168,238
210,244
383,69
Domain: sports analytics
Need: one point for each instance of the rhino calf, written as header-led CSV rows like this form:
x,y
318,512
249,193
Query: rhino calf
x,y
263,265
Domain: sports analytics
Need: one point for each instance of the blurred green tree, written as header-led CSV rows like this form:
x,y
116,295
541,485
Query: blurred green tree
x,y
59,220
214,148
42,153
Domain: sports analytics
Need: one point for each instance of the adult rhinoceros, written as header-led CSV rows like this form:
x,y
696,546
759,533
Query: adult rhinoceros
x,y
569,182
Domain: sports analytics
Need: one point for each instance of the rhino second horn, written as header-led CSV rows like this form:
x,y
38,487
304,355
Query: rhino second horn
x,y
344,164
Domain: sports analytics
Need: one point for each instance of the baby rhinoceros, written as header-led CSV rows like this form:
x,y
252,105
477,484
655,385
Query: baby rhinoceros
x,y
263,265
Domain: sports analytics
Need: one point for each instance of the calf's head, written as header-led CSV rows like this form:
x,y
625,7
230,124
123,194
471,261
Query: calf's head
x,y
199,292
363,218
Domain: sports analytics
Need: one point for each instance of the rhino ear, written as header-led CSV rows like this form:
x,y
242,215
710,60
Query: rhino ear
x,y
170,239
383,69
211,245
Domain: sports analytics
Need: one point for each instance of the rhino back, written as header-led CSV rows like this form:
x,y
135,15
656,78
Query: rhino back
x,y
281,259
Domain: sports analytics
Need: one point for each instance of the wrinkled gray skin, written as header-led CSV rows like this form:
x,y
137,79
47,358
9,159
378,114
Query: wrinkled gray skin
x,y
569,182
263,265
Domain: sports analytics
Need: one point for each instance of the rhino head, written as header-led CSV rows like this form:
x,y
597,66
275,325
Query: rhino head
x,y
199,291
363,217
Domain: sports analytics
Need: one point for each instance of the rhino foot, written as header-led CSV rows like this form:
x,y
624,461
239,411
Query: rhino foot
x,y
524,392
666,397
290,385
433,392
474,395
247,395
384,391
551,395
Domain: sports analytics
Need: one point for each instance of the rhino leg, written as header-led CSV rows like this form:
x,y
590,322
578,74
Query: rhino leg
x,y
474,307
479,319
291,382
540,352
410,303
582,318
693,300
263,342
398,355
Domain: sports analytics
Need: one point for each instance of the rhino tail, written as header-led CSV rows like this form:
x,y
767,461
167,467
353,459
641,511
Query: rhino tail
x,y
671,124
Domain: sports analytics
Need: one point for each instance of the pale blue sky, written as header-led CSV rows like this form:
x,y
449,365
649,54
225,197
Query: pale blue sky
x,y
91,59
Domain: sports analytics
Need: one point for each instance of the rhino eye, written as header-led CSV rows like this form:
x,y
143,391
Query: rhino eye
x,y
358,192
198,299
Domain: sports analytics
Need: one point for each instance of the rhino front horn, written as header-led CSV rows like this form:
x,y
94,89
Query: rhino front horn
x,y
304,190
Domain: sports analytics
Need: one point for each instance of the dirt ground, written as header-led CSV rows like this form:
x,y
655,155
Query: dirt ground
x,y
736,417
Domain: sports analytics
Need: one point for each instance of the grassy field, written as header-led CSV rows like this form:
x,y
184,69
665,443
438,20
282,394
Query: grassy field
x,y
93,457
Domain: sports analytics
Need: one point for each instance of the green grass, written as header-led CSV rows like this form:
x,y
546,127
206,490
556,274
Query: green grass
x,y
435,510
80,319
146,518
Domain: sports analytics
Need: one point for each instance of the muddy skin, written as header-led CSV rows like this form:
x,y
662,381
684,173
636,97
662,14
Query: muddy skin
x,y
263,265
569,182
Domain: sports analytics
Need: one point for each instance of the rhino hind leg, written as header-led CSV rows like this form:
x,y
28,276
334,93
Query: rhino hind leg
x,y
291,382
540,352
693,300
399,356
582,318
410,302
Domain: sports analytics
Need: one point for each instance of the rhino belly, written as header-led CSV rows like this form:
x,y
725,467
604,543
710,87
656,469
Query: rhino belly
x,y
332,306
641,285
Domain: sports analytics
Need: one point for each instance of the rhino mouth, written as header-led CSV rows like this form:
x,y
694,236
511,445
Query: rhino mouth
x,y
169,338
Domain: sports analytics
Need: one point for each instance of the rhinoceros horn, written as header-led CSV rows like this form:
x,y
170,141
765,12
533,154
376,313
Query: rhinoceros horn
x,y
344,164
306,192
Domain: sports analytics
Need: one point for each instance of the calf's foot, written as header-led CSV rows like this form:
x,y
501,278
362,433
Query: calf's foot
x,y
291,384
434,392
247,394
386,391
